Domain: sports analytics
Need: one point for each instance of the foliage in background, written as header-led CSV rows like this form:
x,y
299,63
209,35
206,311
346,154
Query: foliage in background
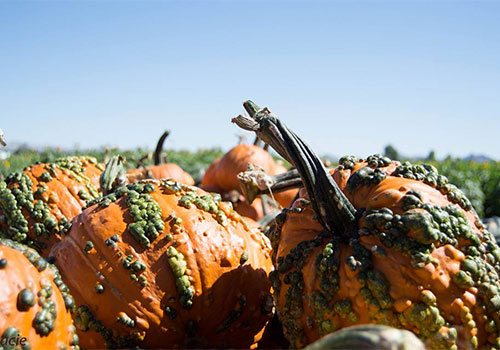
x,y
479,181
193,162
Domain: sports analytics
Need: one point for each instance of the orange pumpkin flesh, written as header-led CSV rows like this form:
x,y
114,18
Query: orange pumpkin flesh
x,y
380,242
190,273
37,205
34,302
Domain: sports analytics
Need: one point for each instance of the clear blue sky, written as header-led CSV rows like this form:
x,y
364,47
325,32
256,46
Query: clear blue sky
x,y
350,77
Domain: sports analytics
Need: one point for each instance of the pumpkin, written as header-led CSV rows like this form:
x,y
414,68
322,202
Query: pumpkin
x,y
158,264
368,337
37,205
35,306
379,242
221,175
161,168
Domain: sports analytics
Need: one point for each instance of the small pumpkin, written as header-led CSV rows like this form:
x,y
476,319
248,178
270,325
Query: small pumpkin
x,y
37,204
368,337
379,242
157,264
35,305
221,175
161,168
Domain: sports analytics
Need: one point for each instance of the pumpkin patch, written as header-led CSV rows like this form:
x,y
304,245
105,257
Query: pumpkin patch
x,y
370,253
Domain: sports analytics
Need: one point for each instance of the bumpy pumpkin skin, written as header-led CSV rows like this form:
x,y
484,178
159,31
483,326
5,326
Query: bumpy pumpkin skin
x,y
162,171
202,282
423,261
37,205
221,175
31,290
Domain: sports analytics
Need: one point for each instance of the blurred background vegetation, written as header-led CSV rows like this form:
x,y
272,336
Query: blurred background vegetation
x,y
477,176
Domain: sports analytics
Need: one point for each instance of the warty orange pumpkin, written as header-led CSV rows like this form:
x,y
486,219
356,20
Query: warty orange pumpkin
x,y
35,304
379,242
163,265
37,204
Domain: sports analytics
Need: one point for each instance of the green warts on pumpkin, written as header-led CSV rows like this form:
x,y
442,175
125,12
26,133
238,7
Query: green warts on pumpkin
x,y
147,223
85,321
178,265
208,203
146,213
17,195
9,334
12,202
25,299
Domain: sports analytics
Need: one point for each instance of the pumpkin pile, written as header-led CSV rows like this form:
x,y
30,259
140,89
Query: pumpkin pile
x,y
372,254
379,242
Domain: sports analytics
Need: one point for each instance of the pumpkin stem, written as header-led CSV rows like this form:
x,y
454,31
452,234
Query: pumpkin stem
x,y
332,207
251,108
3,143
140,162
113,176
256,182
159,148
256,142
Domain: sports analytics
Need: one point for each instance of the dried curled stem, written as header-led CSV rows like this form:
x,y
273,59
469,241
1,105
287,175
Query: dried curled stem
x,y
334,210
159,148
3,143
256,182
113,176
